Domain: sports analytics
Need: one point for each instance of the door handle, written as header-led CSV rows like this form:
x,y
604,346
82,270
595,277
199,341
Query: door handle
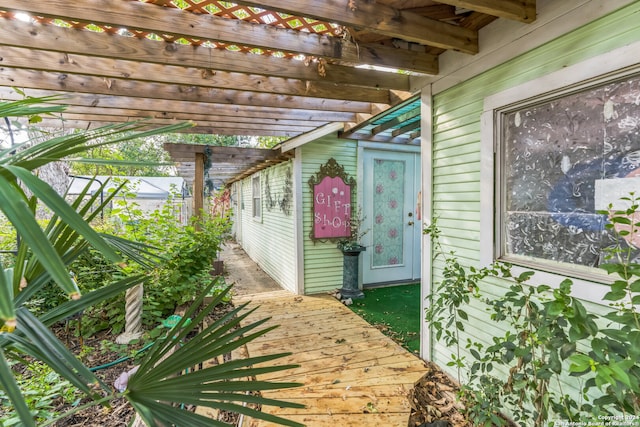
x,y
410,223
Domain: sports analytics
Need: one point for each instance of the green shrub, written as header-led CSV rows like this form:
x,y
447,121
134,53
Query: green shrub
x,y
183,255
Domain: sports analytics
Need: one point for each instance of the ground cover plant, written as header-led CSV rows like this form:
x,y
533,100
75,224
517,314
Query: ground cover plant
x,y
44,255
395,310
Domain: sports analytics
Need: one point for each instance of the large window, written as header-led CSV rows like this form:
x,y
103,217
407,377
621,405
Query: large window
x,y
561,161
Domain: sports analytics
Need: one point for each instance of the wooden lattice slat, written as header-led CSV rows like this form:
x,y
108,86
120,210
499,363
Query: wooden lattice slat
x,y
212,7
251,14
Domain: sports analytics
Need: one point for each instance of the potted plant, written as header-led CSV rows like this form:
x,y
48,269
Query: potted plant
x,y
351,249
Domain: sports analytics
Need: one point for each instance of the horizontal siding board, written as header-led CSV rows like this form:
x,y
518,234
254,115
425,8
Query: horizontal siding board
x,y
467,152
456,151
322,260
458,187
468,196
458,216
269,241
458,132
445,113
460,229
455,206
448,172
446,124
462,145
457,160
457,178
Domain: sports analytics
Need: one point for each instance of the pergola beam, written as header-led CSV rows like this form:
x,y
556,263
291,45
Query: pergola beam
x,y
211,122
181,110
209,62
345,111
518,10
379,18
35,79
213,130
167,20
127,71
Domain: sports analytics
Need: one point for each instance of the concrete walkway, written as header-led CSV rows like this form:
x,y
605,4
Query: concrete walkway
x,y
243,273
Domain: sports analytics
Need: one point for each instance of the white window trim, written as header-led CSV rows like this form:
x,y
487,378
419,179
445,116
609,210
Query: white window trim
x,y
617,63
257,218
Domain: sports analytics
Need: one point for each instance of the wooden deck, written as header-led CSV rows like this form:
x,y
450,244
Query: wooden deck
x,y
353,375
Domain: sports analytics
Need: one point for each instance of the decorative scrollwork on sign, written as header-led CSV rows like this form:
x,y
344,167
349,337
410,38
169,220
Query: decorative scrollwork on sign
x,y
332,189
331,169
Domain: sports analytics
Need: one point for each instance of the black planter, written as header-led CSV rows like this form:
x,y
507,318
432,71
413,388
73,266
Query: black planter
x,y
350,257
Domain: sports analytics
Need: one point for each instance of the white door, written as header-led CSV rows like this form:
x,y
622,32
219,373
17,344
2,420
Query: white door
x,y
390,194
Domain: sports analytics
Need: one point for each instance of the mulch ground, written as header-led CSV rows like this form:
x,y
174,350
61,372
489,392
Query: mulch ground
x,y
433,401
120,413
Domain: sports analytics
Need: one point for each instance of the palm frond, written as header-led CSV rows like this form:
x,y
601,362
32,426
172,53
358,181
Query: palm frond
x,y
16,209
155,384
42,343
146,256
65,146
106,292
165,415
45,193
10,386
29,106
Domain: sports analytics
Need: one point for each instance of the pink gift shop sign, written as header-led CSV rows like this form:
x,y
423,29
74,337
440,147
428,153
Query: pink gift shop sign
x,y
331,208
332,190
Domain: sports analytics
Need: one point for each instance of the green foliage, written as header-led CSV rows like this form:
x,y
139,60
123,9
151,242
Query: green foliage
x,y
136,157
196,138
44,256
523,371
446,311
184,252
270,141
44,391
612,365
189,261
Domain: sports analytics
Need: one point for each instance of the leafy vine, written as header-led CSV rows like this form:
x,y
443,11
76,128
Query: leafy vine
x,y
547,331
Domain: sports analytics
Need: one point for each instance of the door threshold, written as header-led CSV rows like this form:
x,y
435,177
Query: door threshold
x,y
392,283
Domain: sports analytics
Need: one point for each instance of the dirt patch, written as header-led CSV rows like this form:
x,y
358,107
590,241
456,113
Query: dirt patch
x,y
120,412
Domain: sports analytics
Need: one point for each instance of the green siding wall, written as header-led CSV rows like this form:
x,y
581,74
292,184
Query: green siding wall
x,y
456,143
270,240
322,261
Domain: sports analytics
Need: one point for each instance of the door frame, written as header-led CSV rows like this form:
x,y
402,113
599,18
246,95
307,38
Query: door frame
x,y
363,147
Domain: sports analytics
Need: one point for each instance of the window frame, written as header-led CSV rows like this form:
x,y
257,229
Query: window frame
x,y
613,65
256,197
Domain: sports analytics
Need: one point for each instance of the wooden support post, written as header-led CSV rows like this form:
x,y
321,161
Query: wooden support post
x,y
198,186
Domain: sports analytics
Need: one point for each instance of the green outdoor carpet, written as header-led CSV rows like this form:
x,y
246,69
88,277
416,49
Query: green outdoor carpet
x,y
395,310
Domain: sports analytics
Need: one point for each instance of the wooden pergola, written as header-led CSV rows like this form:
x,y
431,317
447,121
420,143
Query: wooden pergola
x,y
265,68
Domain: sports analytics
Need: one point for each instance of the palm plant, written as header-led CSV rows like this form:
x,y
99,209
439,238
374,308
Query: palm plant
x,y
43,256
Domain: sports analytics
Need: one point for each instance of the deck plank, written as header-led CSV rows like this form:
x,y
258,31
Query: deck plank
x,y
352,374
